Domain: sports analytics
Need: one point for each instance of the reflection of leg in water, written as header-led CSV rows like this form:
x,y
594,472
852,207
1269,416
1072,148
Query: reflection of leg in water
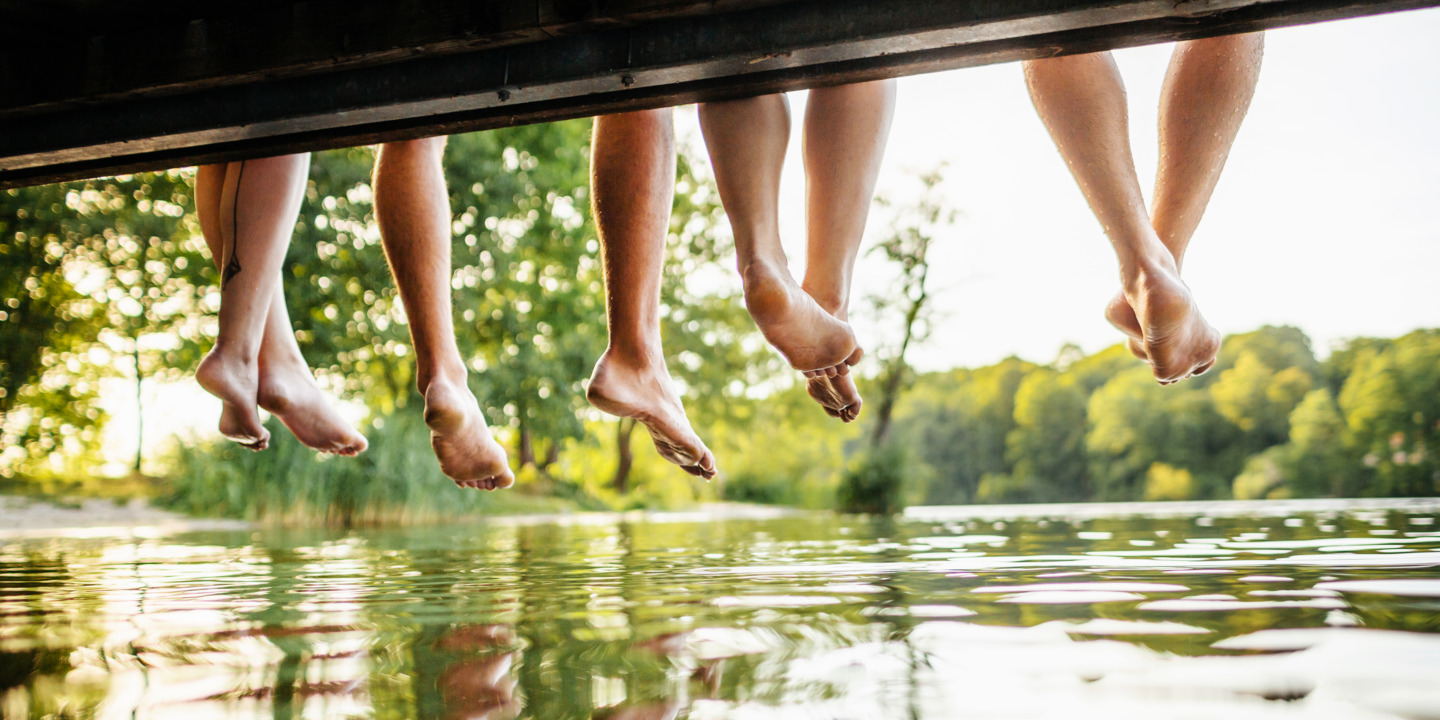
x,y
747,141
1208,88
247,212
470,667
672,647
845,132
412,209
1081,99
633,181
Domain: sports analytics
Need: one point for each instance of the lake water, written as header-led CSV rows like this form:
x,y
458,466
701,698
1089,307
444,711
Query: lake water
x,y
1313,610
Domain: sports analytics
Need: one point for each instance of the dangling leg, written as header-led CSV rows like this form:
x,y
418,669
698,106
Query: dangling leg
x,y
412,208
286,388
845,132
746,140
633,186
1207,92
1081,99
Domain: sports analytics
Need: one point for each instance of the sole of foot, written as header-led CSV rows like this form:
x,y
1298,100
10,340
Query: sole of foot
x,y
1174,338
811,340
236,384
648,396
290,393
462,442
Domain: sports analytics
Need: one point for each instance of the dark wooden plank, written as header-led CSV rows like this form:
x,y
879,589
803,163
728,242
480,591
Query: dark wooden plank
x,y
150,54
606,65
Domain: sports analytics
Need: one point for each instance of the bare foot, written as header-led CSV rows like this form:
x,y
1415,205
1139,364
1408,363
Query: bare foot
x,y
1122,316
812,341
288,391
837,394
462,442
236,382
645,393
1175,339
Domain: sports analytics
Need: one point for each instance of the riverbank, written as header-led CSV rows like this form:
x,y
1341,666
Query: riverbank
x,y
22,517
92,517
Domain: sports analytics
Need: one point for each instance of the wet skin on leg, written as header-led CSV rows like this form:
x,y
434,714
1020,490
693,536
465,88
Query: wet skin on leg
x,y
843,143
412,209
247,212
633,187
1081,100
1208,89
747,141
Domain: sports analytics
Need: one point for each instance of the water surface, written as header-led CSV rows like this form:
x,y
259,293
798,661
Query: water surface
x,y
1202,611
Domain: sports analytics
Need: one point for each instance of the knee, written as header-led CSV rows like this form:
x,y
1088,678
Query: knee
x,y
423,147
661,120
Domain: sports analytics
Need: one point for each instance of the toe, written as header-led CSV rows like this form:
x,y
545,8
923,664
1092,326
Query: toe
x,y
855,357
503,481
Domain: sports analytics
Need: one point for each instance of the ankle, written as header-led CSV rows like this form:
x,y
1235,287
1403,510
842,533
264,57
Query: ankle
x,y
231,355
451,373
831,300
638,357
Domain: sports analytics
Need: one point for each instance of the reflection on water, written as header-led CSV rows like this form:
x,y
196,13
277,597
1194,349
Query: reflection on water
x,y
943,613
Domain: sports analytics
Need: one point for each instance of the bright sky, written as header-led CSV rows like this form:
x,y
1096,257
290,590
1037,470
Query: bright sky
x,y
1326,217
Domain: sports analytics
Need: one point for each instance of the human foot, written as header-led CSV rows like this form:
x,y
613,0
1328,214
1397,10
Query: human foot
x,y
811,340
1122,316
644,392
837,395
288,391
1175,339
463,445
235,381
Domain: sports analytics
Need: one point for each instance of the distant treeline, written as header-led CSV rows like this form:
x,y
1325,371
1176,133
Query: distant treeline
x,y
1269,421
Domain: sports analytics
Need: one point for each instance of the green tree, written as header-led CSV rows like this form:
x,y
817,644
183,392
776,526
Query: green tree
x,y
1046,450
1392,409
97,269
908,303
958,422
1258,399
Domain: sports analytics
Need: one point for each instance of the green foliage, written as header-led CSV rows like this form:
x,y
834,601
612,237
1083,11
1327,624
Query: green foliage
x,y
958,421
1046,450
1391,403
90,271
783,451
396,481
1164,482
877,481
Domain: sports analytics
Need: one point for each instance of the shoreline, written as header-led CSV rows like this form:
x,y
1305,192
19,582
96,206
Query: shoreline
x,y
24,517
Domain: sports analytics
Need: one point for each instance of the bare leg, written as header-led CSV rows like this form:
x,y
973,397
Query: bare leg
x,y
1082,101
413,211
746,140
247,213
286,388
845,132
1207,92
633,181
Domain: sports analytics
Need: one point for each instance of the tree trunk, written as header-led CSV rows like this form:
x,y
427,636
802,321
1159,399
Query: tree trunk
x,y
139,409
889,394
527,446
552,455
625,459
